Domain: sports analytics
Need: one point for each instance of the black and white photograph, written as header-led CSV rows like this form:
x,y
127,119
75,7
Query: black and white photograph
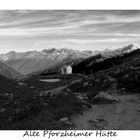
x,y
69,69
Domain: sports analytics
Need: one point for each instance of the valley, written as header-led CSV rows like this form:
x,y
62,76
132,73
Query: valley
x,y
101,93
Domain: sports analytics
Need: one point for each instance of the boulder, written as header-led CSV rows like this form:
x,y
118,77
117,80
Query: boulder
x,y
32,86
85,84
10,119
2,110
8,95
64,119
104,96
22,84
17,110
125,76
45,104
80,97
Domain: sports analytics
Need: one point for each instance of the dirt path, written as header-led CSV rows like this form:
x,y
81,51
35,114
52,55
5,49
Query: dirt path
x,y
123,115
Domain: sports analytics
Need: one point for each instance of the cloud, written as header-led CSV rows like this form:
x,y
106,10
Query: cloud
x,y
68,28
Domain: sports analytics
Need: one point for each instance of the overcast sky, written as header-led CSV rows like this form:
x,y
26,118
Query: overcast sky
x,y
26,30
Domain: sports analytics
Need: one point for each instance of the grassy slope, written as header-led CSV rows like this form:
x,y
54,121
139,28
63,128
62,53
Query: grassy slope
x,y
27,110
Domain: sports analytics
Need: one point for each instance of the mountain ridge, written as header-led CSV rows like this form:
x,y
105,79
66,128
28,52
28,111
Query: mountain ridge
x,y
51,60
33,61
9,72
104,61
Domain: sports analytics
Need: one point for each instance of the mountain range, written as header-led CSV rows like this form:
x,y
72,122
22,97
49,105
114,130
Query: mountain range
x,y
34,61
105,60
48,61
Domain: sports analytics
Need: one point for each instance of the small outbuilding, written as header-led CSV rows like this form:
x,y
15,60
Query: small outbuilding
x,y
67,69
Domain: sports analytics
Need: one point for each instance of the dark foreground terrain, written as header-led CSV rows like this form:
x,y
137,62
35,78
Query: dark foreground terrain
x,y
71,103
106,99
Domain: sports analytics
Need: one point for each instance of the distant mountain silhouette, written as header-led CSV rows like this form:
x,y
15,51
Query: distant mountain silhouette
x,y
105,60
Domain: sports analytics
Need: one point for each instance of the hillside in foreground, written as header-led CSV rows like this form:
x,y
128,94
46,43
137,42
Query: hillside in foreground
x,y
106,99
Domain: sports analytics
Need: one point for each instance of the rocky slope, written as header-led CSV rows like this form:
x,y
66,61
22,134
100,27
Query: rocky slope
x,y
9,72
105,60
